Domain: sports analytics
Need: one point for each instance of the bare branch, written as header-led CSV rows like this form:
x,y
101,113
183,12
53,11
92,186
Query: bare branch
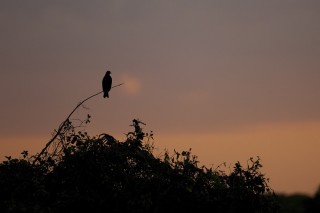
x,y
62,125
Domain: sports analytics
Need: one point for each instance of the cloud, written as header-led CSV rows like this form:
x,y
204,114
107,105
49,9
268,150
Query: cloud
x,y
132,85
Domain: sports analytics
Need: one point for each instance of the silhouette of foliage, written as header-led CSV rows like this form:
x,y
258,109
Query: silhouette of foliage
x,y
313,204
292,203
299,203
102,174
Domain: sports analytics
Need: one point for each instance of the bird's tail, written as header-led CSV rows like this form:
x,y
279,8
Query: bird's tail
x,y
106,95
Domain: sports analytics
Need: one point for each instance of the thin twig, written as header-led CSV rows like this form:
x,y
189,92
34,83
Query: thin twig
x,y
65,121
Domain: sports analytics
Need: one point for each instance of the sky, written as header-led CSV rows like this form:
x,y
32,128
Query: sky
x,y
230,79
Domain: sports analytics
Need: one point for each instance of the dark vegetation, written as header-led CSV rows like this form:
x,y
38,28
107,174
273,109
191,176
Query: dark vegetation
x,y
102,174
299,203
75,172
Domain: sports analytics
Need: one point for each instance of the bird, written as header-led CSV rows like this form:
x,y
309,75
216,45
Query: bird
x,y
106,84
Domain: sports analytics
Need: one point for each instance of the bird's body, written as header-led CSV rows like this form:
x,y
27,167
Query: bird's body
x,y
106,84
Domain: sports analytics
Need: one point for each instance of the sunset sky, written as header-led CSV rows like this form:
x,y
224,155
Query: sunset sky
x,y
230,79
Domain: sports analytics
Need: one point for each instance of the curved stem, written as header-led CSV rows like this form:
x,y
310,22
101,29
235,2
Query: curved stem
x,y
64,122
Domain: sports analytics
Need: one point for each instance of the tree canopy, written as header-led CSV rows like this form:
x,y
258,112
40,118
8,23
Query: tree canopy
x,y
102,174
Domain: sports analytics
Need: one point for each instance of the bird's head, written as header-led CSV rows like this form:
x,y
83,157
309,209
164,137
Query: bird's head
x,y
108,72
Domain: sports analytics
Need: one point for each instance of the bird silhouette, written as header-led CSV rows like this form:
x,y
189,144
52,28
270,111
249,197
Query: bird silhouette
x,y
106,84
